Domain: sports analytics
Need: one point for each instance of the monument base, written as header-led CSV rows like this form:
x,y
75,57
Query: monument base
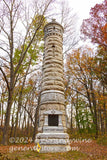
x,y
53,142
54,148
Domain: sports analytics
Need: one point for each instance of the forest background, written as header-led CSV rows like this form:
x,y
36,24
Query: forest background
x,y
21,53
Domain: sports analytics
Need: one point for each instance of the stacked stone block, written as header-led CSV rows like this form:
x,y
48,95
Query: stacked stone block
x,y
52,101
52,90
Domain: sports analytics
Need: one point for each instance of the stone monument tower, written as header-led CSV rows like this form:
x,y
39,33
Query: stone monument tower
x,y
52,135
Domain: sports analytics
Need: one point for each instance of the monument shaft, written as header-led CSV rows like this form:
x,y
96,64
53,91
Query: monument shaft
x,y
52,114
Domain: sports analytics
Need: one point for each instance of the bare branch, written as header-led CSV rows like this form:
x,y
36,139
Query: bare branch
x,y
4,50
5,77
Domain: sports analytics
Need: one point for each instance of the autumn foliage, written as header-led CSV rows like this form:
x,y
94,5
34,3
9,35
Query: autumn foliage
x,y
95,27
85,90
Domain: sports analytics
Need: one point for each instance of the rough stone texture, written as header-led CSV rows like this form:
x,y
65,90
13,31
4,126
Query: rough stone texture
x,y
53,142
52,92
50,96
54,148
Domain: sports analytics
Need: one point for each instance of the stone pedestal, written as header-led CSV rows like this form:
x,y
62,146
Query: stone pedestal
x,y
52,135
53,142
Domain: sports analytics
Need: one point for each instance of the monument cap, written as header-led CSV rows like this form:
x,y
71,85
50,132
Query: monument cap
x,y
54,22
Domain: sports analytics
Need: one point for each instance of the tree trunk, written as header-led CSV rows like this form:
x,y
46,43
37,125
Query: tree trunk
x,y
19,120
27,130
99,119
71,119
95,109
77,120
7,119
95,122
0,115
102,123
24,122
12,126
36,119
105,112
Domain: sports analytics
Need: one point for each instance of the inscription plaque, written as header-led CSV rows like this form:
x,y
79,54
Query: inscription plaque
x,y
53,120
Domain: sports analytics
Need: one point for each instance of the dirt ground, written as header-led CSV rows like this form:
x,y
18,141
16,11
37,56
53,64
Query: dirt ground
x,y
79,151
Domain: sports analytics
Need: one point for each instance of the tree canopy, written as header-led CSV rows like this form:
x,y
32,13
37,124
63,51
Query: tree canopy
x,y
95,27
